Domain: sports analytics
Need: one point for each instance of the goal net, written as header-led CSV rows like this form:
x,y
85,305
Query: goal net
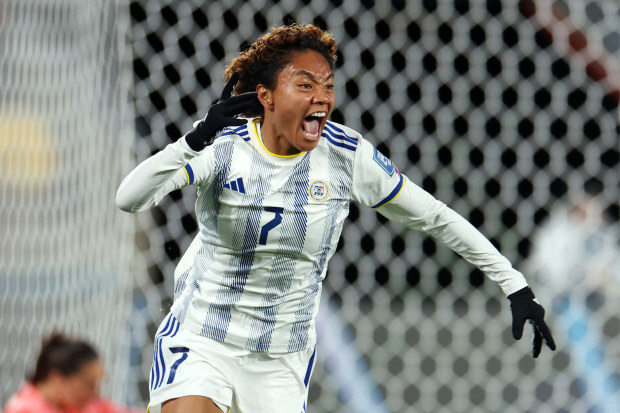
x,y
66,131
502,109
505,110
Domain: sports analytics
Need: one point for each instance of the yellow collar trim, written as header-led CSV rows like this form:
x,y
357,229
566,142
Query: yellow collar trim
x,y
260,141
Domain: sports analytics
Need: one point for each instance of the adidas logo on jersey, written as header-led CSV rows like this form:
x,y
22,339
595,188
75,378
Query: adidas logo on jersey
x,y
236,185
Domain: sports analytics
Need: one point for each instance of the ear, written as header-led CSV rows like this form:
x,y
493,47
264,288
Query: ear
x,y
265,97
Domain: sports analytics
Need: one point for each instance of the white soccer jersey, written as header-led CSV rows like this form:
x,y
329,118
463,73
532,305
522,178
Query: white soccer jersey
x,y
269,224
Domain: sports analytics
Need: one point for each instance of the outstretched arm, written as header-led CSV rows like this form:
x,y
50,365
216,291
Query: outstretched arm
x,y
417,209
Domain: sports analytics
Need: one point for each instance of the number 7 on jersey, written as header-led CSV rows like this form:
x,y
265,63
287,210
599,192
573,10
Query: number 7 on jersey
x,y
277,220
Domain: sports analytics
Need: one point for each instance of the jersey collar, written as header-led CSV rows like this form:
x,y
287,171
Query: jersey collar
x,y
256,129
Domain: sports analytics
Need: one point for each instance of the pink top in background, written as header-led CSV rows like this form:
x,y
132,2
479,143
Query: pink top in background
x,y
29,400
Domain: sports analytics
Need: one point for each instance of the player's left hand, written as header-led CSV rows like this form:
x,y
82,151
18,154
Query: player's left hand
x,y
524,306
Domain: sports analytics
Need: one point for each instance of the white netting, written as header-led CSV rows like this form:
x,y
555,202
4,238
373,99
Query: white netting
x,y
499,108
66,135
493,106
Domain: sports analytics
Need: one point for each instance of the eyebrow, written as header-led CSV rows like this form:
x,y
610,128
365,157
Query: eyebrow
x,y
311,76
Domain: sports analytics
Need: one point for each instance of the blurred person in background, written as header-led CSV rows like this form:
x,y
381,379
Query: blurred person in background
x,y
577,246
576,259
66,379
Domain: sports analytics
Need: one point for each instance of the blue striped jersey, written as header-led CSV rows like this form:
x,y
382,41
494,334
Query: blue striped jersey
x,y
268,225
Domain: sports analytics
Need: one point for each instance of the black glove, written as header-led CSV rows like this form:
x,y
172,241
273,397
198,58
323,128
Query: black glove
x,y
524,306
221,114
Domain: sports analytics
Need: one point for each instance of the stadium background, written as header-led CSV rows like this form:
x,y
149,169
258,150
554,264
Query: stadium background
x,y
501,109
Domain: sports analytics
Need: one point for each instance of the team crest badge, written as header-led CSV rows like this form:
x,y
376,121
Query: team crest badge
x,y
318,190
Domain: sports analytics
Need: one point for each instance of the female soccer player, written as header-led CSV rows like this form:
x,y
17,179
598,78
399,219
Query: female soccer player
x,y
274,188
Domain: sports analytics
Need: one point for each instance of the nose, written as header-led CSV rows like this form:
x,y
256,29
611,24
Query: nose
x,y
322,96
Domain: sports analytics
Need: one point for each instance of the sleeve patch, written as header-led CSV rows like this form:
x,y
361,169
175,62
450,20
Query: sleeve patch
x,y
384,162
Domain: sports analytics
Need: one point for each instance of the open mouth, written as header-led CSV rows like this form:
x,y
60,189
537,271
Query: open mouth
x,y
311,125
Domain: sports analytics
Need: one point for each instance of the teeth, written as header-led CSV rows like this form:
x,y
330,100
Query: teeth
x,y
319,114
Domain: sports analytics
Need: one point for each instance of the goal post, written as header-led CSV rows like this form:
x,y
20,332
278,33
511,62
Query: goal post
x,y
66,139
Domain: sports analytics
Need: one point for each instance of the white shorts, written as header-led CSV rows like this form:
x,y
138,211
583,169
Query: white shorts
x,y
186,364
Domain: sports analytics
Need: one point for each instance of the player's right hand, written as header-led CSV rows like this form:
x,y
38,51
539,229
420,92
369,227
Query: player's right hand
x,y
220,115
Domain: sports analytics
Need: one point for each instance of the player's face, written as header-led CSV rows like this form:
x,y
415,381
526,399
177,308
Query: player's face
x,y
79,389
298,107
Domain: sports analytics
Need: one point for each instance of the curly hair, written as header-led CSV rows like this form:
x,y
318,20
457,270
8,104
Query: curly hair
x,y
266,57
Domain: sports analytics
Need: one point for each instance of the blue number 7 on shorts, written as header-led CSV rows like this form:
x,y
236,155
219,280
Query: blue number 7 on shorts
x,y
173,369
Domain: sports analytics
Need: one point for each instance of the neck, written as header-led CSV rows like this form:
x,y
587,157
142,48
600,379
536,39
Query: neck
x,y
49,393
275,141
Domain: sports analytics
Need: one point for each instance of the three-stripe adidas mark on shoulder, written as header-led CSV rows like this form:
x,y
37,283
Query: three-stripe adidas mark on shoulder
x,y
339,137
240,131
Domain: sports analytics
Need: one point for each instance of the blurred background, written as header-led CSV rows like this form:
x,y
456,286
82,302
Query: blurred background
x,y
508,111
